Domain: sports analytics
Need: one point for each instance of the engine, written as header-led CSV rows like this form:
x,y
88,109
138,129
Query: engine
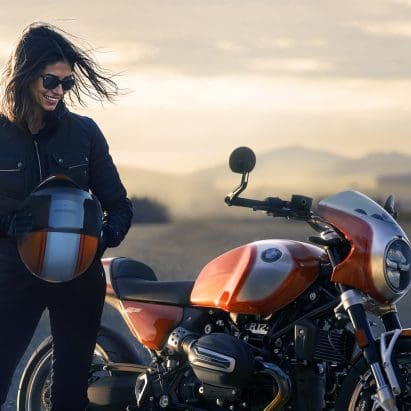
x,y
224,365
225,372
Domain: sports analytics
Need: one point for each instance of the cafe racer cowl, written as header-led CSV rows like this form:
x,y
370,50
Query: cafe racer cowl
x,y
67,223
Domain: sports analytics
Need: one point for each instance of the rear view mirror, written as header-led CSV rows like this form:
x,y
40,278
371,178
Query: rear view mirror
x,y
242,160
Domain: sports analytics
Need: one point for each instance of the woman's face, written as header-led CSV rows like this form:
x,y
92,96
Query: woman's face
x,y
47,99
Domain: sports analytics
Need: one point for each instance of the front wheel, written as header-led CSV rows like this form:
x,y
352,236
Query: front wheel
x,y
35,384
359,386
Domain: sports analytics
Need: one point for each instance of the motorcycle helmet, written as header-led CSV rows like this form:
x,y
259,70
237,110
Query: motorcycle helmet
x,y
67,223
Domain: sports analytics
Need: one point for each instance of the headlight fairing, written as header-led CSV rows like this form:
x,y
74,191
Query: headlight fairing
x,y
378,263
397,265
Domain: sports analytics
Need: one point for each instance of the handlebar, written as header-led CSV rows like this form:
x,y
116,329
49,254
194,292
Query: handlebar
x,y
299,207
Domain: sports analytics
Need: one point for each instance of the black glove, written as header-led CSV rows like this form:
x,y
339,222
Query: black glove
x,y
110,236
17,224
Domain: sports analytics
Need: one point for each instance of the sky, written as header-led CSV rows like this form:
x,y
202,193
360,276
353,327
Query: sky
x,y
201,77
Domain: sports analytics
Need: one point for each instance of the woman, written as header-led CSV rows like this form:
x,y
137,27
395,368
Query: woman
x,y
40,137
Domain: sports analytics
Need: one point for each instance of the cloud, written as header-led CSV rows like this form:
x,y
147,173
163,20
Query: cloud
x,y
180,93
291,66
387,28
406,3
230,46
119,55
5,51
220,38
209,75
181,123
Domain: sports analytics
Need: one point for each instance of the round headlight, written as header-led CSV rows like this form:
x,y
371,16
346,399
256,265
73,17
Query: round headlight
x,y
397,265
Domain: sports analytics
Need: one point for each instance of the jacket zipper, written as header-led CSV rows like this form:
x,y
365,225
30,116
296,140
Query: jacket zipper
x,y
38,160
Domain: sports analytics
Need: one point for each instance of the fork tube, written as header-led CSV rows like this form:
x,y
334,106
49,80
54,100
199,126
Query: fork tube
x,y
391,321
353,303
363,333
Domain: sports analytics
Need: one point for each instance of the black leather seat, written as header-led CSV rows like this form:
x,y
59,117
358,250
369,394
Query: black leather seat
x,y
134,280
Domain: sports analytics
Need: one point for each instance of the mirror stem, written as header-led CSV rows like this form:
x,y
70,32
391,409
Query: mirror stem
x,y
238,190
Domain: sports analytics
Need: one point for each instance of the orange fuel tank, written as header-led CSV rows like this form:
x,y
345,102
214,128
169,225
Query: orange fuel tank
x,y
258,278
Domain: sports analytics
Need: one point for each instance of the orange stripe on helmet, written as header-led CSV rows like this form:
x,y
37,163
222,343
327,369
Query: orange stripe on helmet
x,y
32,249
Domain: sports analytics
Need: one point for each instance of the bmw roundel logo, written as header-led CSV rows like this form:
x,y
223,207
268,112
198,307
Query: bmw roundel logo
x,y
271,254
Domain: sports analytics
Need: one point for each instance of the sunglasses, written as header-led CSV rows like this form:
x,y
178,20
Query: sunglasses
x,y
51,81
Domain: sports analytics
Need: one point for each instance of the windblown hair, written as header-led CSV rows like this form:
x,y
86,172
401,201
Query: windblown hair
x,y
42,44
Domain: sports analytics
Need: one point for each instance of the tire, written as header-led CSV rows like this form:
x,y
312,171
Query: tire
x,y
359,385
34,387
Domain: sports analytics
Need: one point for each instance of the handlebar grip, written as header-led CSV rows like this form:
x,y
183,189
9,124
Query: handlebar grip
x,y
245,202
298,207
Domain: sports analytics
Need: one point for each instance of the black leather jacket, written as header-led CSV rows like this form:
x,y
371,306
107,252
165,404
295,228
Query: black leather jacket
x,y
69,144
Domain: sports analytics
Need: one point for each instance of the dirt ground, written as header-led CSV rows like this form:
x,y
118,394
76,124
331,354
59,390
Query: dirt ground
x,y
179,250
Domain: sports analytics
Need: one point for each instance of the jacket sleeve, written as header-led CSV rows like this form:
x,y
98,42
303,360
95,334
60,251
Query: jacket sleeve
x,y
5,221
105,183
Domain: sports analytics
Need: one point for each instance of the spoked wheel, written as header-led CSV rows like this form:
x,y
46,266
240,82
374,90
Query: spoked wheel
x,y
35,384
362,399
359,388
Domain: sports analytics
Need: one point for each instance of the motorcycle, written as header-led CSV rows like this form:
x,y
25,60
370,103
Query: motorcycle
x,y
270,325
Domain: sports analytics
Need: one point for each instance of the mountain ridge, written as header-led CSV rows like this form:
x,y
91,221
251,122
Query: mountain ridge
x,y
277,172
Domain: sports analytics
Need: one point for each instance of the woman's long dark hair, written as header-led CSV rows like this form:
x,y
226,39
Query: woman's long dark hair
x,y
42,44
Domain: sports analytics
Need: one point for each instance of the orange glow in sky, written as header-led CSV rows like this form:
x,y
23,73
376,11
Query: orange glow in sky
x,y
206,76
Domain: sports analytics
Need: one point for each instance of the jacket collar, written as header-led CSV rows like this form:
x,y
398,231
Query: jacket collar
x,y
53,118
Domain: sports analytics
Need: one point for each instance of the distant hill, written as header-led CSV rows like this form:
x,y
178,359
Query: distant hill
x,y
277,173
185,196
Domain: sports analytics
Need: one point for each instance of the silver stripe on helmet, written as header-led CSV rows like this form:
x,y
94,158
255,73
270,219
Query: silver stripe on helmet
x,y
60,247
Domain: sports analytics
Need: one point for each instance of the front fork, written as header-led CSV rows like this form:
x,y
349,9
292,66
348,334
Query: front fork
x,y
352,301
